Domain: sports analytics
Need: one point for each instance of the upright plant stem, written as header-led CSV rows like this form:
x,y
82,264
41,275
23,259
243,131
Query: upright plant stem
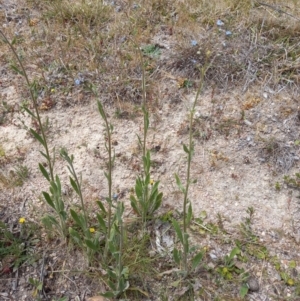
x,y
109,129
80,196
35,105
190,155
146,125
109,176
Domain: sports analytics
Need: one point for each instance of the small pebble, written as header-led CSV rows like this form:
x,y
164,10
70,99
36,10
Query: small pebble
x,y
247,122
253,284
220,23
213,256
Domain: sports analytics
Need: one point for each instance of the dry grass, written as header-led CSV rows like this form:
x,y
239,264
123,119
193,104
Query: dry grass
x,y
98,40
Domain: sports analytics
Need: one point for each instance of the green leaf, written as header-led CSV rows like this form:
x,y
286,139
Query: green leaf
x,y
185,148
38,137
189,214
244,290
49,221
140,141
17,70
176,256
101,110
91,245
75,236
134,204
178,230
48,199
58,185
101,222
29,112
196,260
108,295
178,182
158,202
235,251
101,206
44,155
76,218
203,214
44,172
139,189
186,245
74,185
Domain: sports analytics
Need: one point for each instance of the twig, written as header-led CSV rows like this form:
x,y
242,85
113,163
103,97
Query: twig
x,y
201,226
42,275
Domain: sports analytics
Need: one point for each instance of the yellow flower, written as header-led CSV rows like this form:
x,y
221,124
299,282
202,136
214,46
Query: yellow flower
x,y
52,90
22,220
151,182
92,230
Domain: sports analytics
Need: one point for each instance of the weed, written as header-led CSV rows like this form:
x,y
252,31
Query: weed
x,y
293,182
146,201
15,177
151,50
14,246
22,173
118,274
37,288
181,257
246,227
143,204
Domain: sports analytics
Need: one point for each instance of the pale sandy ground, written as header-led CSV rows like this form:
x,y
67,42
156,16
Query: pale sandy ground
x,y
229,171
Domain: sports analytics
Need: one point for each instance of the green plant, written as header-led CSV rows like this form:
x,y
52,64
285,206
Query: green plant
x,y
230,268
227,270
38,287
88,239
15,177
293,182
32,86
151,51
246,227
181,257
108,174
14,246
75,183
55,200
118,274
146,202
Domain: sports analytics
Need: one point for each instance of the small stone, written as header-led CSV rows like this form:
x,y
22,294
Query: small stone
x,y
253,284
220,23
247,122
213,256
211,265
